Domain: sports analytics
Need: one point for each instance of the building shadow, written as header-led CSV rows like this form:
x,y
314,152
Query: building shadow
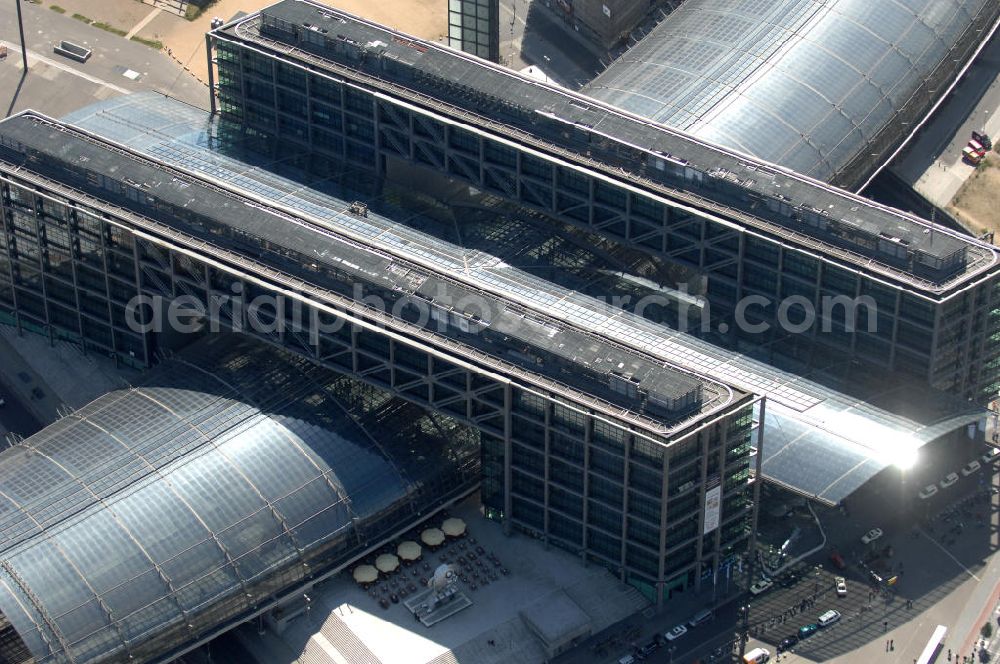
x,y
17,93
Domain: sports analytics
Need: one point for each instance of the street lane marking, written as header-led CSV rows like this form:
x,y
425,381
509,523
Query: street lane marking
x,y
948,553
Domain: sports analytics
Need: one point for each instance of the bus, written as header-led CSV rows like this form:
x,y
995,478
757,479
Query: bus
x,y
933,646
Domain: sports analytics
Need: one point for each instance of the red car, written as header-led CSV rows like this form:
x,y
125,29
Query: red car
x,y
838,560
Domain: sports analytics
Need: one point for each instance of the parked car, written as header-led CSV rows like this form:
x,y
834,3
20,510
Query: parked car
x,y
990,455
978,147
841,586
948,480
787,642
789,580
761,586
983,138
871,536
808,630
828,618
757,656
646,650
874,577
970,156
970,468
700,618
838,560
928,491
676,633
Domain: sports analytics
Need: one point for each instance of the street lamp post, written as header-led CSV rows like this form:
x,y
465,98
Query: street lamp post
x,y
20,28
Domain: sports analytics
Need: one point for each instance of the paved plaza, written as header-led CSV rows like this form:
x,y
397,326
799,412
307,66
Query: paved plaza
x,y
345,619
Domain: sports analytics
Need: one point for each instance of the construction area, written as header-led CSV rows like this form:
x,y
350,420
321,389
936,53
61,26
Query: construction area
x,y
977,202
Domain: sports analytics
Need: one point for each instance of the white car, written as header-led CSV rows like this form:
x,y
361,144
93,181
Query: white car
x,y
828,618
871,536
841,586
970,468
991,455
761,586
948,480
676,633
928,491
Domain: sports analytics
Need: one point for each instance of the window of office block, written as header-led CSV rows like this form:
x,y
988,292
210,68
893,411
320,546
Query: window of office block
x,y
605,490
761,250
566,474
916,309
358,102
527,512
884,296
565,447
291,76
566,529
604,544
528,486
644,506
566,502
642,560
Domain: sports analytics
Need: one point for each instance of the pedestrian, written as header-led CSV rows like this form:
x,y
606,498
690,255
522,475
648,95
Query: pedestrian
x,y
885,628
887,646
892,644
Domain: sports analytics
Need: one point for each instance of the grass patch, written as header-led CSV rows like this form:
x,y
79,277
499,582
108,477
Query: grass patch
x,y
152,43
81,17
107,27
57,9
35,2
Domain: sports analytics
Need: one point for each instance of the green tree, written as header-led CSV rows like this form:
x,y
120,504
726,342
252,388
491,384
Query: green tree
x,y
986,630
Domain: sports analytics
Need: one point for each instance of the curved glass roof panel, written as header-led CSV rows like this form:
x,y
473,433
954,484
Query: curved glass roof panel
x,y
800,63
156,515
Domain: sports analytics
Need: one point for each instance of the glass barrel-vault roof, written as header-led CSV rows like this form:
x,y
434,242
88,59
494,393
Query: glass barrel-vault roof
x,y
154,515
807,84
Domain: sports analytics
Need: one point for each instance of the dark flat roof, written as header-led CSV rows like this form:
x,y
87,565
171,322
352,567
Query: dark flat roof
x,y
540,344
766,195
824,440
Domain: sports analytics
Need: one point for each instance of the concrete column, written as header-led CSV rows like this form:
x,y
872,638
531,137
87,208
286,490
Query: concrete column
x,y
209,42
508,503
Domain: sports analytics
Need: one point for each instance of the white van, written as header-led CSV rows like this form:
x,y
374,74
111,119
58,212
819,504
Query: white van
x,y
828,618
757,656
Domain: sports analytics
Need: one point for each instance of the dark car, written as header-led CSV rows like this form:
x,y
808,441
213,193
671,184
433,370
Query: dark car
x,y
789,580
838,560
787,643
646,650
874,577
808,630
